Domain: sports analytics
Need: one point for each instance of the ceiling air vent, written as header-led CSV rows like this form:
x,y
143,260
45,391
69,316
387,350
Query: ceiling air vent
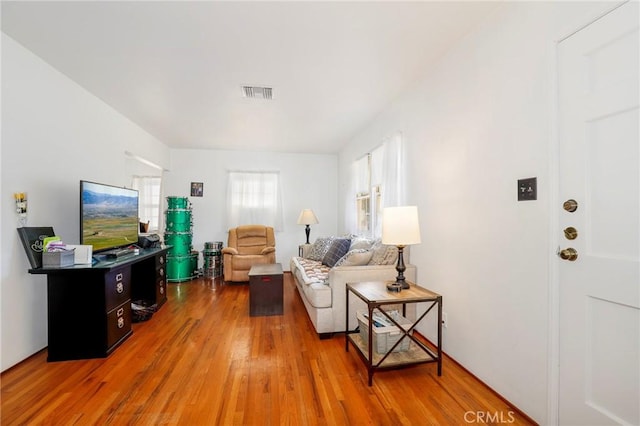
x,y
257,92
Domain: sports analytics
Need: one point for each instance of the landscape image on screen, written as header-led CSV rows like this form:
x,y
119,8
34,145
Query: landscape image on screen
x,y
109,216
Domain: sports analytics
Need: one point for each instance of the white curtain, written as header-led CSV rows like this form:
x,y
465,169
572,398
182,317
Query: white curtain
x,y
254,198
350,214
392,172
360,172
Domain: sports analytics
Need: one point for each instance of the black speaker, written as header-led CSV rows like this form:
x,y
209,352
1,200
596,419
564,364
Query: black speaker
x,y
149,241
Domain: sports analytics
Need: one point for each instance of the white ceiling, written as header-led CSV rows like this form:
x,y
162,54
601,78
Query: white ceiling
x,y
176,68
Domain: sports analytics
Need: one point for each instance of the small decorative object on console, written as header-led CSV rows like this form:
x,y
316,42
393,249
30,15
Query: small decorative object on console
x,y
32,238
58,258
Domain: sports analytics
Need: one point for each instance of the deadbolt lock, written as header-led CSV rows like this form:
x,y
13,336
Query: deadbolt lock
x,y
569,254
570,205
571,233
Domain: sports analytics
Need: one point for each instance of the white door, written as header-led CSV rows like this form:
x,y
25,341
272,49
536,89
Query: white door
x,y
599,159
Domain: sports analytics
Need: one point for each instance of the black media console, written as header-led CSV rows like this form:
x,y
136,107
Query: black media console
x,y
89,306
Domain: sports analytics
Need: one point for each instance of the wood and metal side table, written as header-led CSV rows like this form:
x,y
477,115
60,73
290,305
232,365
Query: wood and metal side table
x,y
376,296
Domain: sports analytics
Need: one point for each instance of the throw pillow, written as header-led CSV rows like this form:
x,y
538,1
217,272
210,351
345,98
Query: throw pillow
x,y
384,255
339,247
390,256
361,243
357,257
319,248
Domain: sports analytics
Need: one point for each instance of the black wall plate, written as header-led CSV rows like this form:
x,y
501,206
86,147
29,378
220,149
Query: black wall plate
x,y
527,189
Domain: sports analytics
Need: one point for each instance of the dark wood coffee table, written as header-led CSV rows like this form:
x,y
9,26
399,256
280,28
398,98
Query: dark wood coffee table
x,y
265,290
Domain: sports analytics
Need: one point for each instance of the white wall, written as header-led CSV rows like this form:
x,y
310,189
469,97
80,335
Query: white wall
x,y
480,120
54,133
307,181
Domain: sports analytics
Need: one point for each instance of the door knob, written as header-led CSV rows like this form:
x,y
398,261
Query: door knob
x,y
570,205
569,254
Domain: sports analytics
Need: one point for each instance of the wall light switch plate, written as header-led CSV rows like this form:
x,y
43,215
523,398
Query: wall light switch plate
x,y
527,189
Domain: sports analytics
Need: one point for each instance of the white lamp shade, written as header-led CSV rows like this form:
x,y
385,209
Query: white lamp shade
x,y
307,217
400,226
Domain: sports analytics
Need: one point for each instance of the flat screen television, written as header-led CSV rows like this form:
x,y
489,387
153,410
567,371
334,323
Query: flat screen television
x,y
108,216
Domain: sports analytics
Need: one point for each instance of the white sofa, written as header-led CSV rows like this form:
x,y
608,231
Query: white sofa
x,y
323,289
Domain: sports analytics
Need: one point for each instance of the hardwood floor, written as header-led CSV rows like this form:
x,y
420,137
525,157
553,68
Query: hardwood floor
x,y
201,360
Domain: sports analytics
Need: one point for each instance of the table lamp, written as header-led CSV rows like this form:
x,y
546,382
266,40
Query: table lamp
x,y
400,228
307,217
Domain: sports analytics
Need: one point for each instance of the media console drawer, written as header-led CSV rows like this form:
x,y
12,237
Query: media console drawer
x,y
117,286
118,323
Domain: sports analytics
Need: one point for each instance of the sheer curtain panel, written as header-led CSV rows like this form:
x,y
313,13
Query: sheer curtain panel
x,y
254,198
392,172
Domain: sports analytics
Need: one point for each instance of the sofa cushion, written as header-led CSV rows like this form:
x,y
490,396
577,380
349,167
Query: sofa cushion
x,y
357,257
319,248
244,262
310,271
339,247
318,295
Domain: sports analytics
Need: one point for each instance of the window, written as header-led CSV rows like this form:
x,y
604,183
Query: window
x,y
368,210
254,198
149,196
363,211
363,196
378,183
368,194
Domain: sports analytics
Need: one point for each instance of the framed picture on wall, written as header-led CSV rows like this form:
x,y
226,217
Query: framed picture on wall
x,y
196,189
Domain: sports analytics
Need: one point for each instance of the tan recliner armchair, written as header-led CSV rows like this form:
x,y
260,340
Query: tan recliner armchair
x,y
248,245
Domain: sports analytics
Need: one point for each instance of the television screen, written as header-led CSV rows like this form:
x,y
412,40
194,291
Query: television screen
x,y
108,216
